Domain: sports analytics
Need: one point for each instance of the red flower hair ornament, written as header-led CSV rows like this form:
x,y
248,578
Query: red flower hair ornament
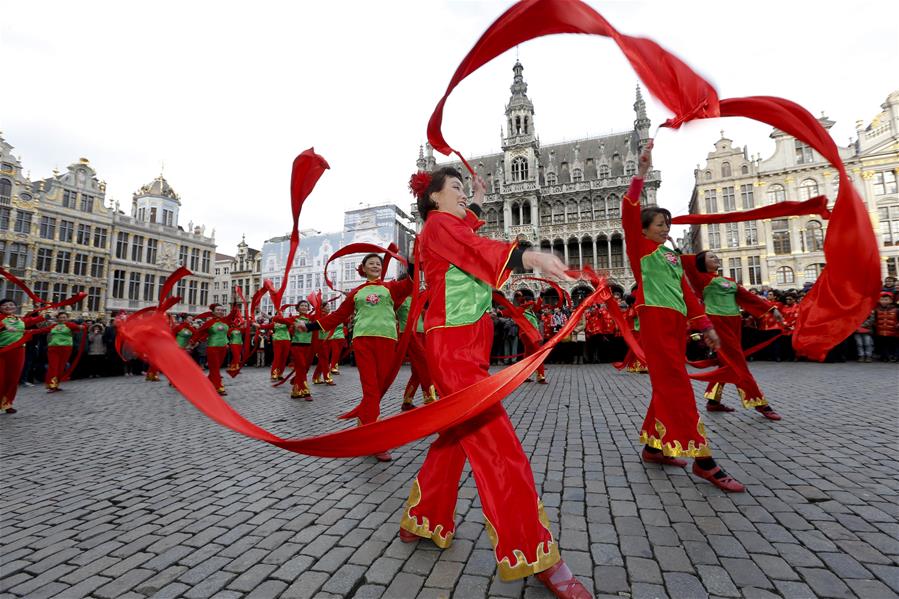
x,y
419,183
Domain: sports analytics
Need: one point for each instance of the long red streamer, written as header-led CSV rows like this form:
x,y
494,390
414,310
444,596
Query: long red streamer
x,y
816,205
846,291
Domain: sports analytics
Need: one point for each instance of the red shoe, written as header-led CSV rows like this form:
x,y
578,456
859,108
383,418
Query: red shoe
x,y
725,483
407,406
542,379
384,456
770,414
562,583
408,537
660,458
11,410
717,406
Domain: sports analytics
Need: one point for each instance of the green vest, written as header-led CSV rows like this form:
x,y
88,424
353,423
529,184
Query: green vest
x,y
467,298
183,336
402,315
532,318
280,332
59,336
374,314
337,333
720,297
299,336
235,337
218,335
662,273
10,337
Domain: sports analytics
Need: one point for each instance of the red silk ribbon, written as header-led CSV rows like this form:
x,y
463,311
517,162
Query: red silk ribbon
x,y
847,290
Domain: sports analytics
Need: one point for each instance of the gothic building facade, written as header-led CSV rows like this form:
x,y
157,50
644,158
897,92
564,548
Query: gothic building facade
x,y
561,196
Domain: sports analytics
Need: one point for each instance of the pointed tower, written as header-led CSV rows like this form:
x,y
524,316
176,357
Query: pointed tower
x,y
520,143
641,123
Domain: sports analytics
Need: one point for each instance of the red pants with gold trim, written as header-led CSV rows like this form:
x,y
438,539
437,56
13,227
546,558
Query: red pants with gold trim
x,y
336,351
729,329
152,373
421,375
672,422
302,359
236,351
529,349
215,357
516,524
11,364
281,351
323,368
374,360
57,356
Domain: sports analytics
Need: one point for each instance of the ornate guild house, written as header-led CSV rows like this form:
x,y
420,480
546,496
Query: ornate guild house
x,y
563,196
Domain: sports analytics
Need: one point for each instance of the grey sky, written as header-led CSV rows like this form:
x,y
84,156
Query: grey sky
x,y
226,93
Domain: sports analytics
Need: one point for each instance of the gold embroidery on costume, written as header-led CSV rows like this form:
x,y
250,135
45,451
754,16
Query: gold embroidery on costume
x,y
675,449
546,557
715,393
752,402
410,522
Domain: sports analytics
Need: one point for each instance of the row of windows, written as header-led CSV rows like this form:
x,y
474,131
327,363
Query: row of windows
x,y
609,251
577,175
14,257
21,224
811,240
66,263
138,244
61,291
70,199
167,217
889,225
194,262
783,275
134,286
82,235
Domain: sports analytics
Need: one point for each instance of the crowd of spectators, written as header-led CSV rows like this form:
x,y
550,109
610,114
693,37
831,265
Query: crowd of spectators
x,y
594,340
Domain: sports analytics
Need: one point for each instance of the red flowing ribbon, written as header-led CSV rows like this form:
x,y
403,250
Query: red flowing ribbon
x,y
516,313
74,363
171,280
563,295
847,290
816,205
148,336
307,169
364,248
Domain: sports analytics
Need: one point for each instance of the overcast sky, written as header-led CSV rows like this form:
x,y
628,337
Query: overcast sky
x,y
227,93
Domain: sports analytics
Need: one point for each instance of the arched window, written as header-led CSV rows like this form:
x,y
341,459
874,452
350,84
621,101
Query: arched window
x,y
491,217
814,236
586,209
744,170
577,175
613,205
599,208
514,209
776,193
558,212
5,191
630,168
808,189
551,179
603,171
785,276
519,169
571,211
812,272
546,213
708,175
725,169
526,213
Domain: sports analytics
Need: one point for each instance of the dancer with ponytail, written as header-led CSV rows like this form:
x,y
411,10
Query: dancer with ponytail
x,y
59,349
12,331
215,331
461,270
723,299
666,307
372,306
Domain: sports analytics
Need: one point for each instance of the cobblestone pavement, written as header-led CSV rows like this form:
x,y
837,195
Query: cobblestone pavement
x,y
120,488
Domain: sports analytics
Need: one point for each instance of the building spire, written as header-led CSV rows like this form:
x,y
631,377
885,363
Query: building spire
x,y
641,123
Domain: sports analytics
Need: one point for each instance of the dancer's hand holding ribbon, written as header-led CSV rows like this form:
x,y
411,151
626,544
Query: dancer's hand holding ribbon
x,y
545,263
